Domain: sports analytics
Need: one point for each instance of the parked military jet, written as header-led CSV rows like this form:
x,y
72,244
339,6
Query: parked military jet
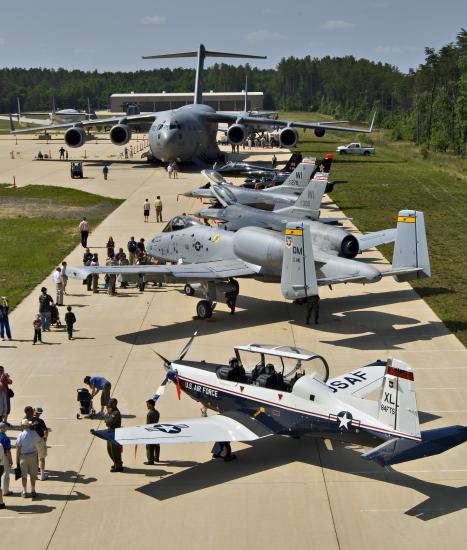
x,y
242,168
188,134
266,199
288,393
233,215
311,254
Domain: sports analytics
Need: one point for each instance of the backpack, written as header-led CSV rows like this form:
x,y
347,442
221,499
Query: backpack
x,y
132,246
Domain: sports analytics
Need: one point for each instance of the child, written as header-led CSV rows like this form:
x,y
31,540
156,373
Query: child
x,y
70,320
37,329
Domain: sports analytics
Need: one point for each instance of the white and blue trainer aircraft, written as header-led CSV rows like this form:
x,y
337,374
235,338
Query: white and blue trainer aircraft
x,y
286,391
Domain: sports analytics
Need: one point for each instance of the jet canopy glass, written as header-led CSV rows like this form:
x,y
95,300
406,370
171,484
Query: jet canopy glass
x,y
213,176
290,360
179,222
224,195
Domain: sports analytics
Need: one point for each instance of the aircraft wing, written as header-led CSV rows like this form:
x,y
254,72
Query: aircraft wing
x,y
220,116
369,240
220,269
130,119
27,120
210,429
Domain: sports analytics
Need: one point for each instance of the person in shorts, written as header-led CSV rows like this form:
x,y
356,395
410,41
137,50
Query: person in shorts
x,y
26,456
43,432
99,384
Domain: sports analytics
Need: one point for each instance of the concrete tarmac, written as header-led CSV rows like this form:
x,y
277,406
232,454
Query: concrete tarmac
x,y
280,492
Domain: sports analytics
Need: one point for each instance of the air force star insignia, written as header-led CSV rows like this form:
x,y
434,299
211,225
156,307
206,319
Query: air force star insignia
x,y
345,419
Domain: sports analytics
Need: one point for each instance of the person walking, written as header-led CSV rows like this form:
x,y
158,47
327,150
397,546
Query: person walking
x,y
146,210
232,295
7,461
4,321
62,153
132,246
175,170
70,320
84,230
152,417
57,279
5,394
42,431
37,324
312,304
26,456
105,171
113,420
64,276
99,384
158,206
274,161
45,301
169,170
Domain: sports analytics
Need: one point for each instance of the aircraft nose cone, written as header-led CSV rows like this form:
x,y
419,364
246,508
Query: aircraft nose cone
x,y
169,143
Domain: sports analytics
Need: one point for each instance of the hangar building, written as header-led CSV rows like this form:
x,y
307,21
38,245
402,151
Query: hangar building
x,y
221,101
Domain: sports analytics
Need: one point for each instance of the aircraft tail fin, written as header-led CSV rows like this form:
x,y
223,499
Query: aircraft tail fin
x,y
309,202
201,54
433,442
298,279
397,406
298,179
411,247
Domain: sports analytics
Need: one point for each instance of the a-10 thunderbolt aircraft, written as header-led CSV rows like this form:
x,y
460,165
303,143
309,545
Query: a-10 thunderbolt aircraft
x,y
288,393
310,254
189,133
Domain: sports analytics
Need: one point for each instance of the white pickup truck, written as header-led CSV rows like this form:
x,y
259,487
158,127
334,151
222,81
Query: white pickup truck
x,y
355,149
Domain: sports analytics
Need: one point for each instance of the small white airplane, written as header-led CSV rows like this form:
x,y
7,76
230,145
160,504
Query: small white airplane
x,y
285,390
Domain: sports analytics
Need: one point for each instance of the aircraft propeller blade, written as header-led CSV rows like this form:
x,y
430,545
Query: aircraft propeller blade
x,y
166,361
187,347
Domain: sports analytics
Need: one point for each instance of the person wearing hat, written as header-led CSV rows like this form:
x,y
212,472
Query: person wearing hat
x,y
26,456
43,432
113,420
45,310
7,460
152,417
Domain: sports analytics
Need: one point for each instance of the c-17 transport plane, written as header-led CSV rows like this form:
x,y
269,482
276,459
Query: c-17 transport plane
x,y
189,133
310,254
288,393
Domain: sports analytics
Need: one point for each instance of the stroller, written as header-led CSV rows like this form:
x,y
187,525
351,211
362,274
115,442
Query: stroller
x,y
55,316
85,404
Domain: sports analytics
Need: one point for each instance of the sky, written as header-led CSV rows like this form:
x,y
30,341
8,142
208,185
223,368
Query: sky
x,y
113,35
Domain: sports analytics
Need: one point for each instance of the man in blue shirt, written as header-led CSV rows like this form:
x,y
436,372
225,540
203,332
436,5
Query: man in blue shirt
x,y
8,462
97,384
26,456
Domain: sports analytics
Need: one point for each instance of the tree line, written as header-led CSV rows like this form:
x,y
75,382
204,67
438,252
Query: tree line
x,y
428,105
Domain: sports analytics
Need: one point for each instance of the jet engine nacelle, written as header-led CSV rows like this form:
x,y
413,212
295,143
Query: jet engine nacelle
x,y
319,132
75,137
335,238
120,134
259,246
288,137
236,134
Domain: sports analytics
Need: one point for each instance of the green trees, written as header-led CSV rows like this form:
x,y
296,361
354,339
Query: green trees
x,y
428,105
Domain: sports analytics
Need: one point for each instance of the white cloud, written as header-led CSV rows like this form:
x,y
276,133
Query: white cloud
x,y
397,50
153,20
336,24
264,36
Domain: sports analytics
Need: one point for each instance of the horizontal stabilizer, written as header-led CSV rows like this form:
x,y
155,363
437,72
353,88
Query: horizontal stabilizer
x,y
433,442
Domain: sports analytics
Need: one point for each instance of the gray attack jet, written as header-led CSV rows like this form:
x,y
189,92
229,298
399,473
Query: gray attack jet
x,y
189,133
265,199
308,255
233,215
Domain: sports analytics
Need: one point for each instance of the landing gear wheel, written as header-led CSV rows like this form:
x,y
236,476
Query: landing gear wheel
x,y
189,290
204,309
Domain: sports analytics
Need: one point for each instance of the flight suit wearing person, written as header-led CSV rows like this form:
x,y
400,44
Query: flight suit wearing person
x,y
113,420
152,417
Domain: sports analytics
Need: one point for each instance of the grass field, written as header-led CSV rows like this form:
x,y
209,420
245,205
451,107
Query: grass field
x,y
32,245
398,177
